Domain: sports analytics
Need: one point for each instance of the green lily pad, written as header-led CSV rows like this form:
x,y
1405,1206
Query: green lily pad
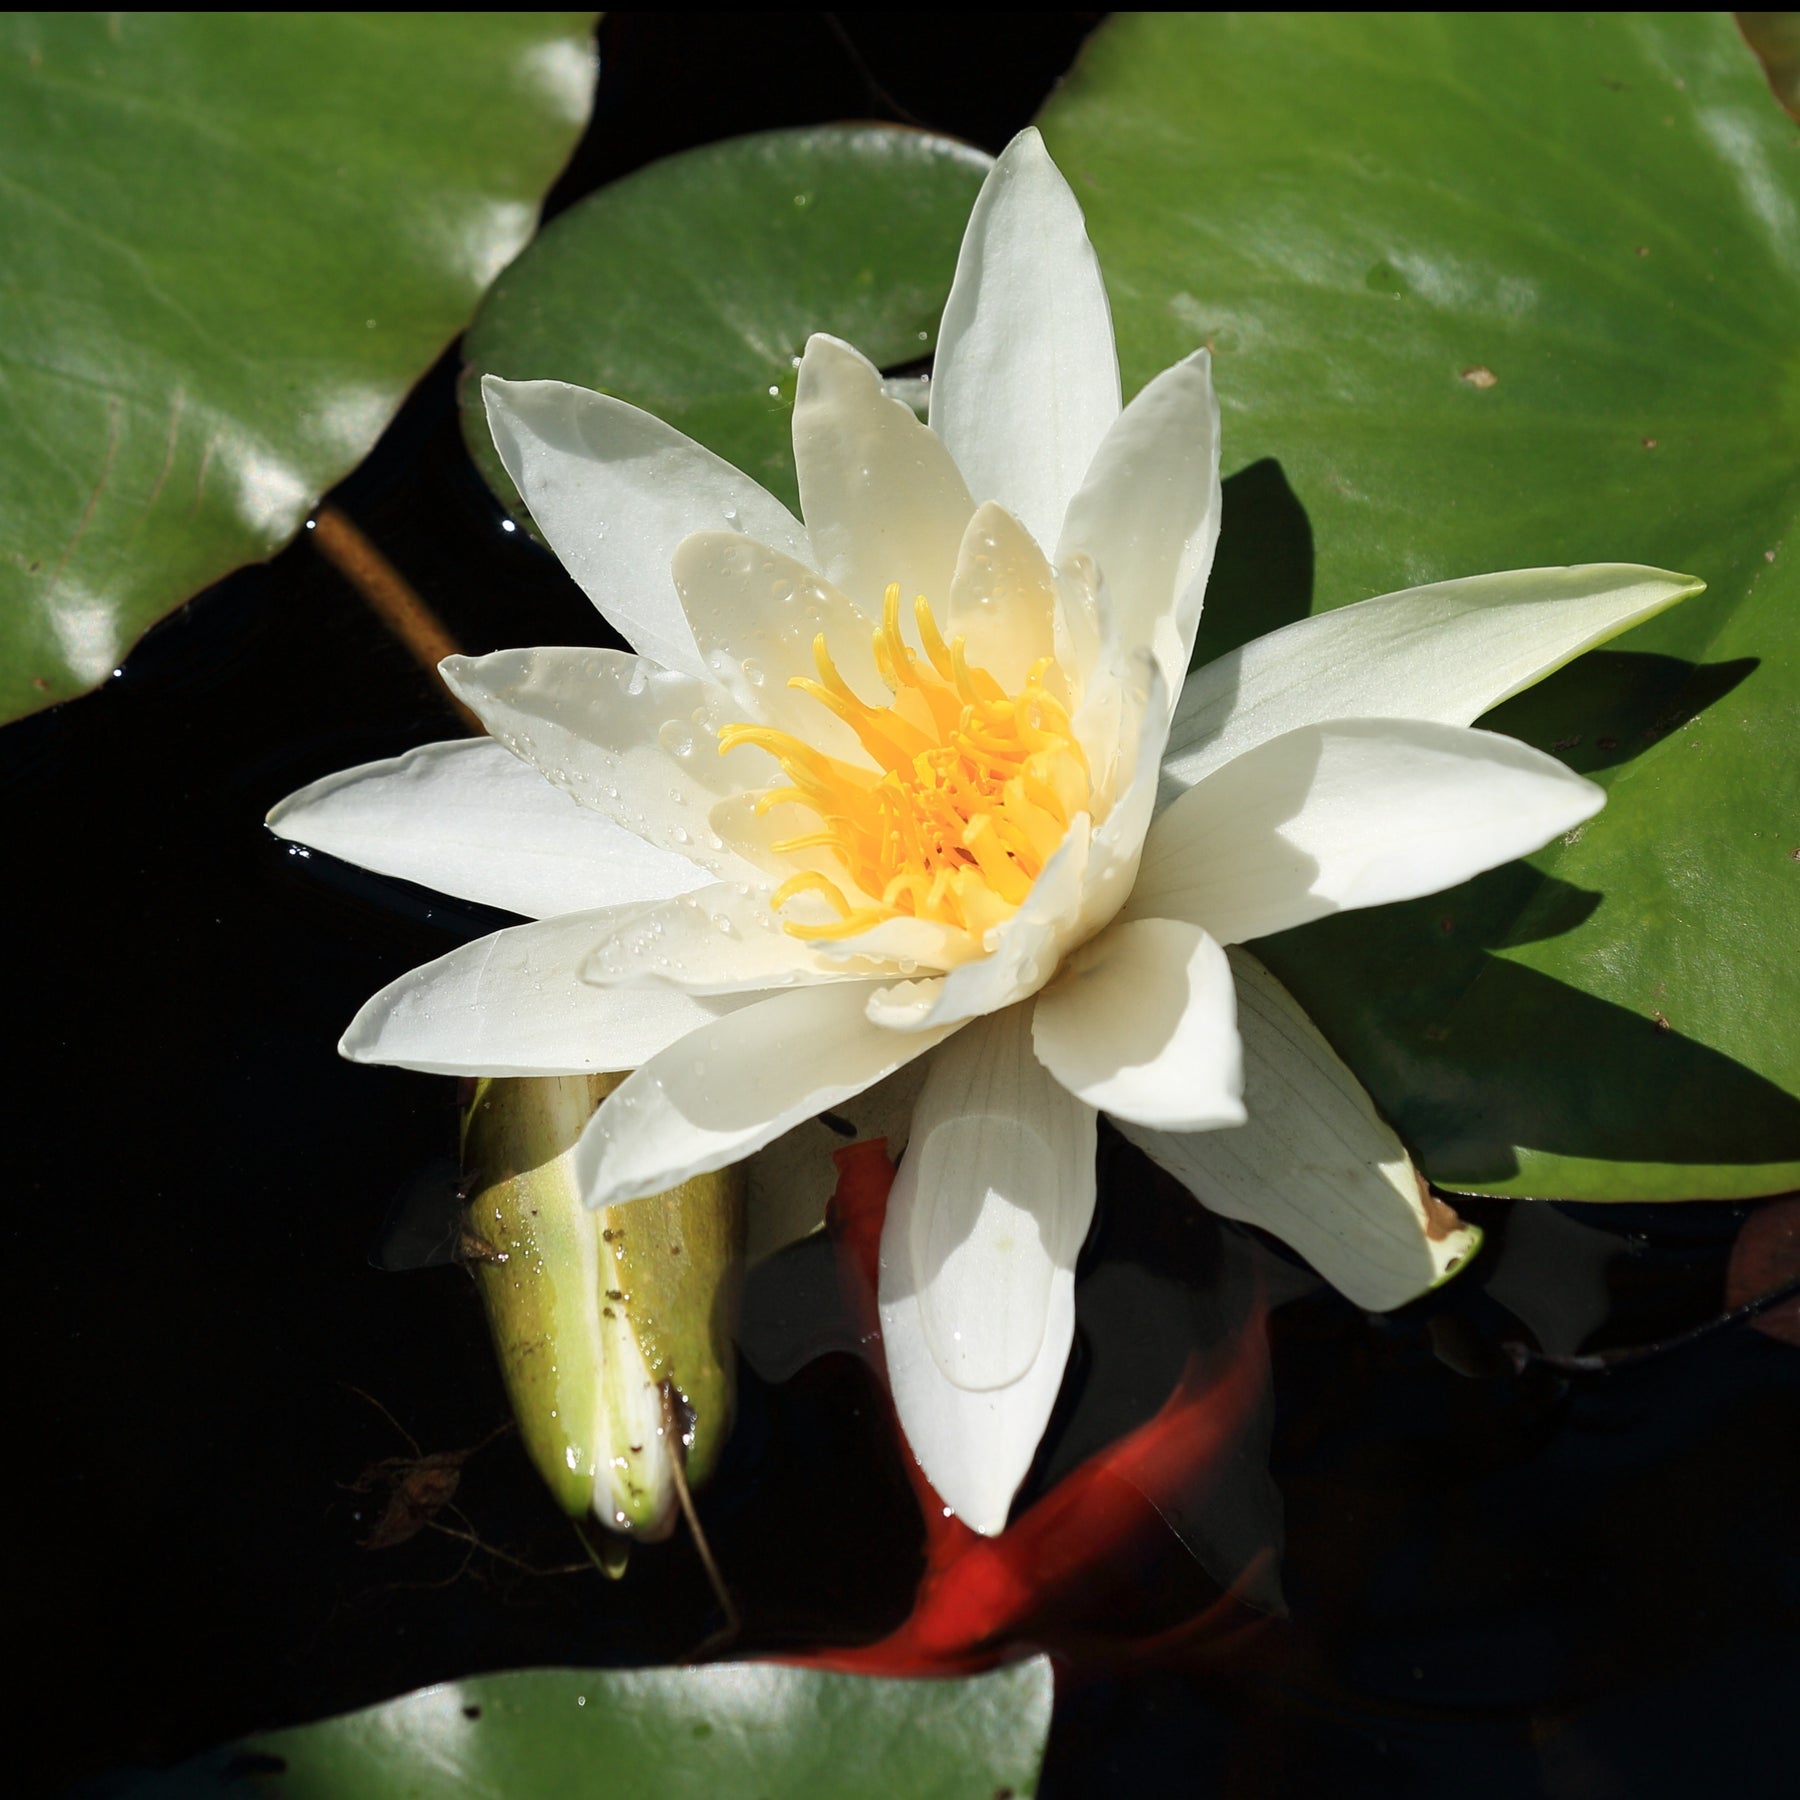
x,y
728,1729
691,287
1490,291
233,242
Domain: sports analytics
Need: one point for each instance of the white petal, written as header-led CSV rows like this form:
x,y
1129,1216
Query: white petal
x,y
1083,643
755,613
721,939
1142,711
986,1218
614,490
909,944
1316,1164
516,1004
1025,382
1148,512
1003,598
734,1085
1002,1163
1025,954
1355,813
1446,652
883,498
469,818
1142,1023
624,737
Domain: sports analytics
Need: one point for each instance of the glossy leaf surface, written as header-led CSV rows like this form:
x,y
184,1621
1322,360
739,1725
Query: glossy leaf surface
x,y
690,288
1493,292
233,242
726,1729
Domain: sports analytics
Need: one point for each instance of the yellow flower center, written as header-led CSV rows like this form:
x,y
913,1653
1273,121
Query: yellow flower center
x,y
976,787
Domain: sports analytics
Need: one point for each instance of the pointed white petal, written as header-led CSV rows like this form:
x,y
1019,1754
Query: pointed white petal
x,y
1025,382
622,736
1025,954
516,1004
883,498
1446,652
722,939
614,490
1148,512
469,818
1142,1023
737,1084
755,613
986,1218
1316,1164
1355,813
1003,597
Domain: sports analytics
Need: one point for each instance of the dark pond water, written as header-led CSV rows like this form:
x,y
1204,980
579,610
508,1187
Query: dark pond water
x,y
1497,1582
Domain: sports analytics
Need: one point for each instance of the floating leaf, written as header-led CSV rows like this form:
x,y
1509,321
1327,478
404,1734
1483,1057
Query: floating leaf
x,y
690,288
1765,1257
1491,291
656,1734
233,242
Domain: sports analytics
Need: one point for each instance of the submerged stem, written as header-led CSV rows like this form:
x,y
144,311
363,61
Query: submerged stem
x,y
390,596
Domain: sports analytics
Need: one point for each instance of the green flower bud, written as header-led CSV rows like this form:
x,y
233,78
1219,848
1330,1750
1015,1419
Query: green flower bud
x,y
613,1327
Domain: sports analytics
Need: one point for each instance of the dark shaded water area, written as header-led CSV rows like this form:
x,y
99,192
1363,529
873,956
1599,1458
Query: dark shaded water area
x,y
1498,1580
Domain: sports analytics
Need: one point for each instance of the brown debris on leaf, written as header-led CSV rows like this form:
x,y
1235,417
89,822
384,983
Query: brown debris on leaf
x,y
1441,1220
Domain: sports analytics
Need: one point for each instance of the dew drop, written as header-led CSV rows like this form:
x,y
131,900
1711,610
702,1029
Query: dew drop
x,y
753,671
676,738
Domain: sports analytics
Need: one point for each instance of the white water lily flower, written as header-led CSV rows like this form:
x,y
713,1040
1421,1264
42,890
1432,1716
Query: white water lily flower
x,y
921,776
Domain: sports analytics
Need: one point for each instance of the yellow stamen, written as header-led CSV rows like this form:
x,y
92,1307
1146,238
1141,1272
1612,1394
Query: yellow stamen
x,y
975,791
